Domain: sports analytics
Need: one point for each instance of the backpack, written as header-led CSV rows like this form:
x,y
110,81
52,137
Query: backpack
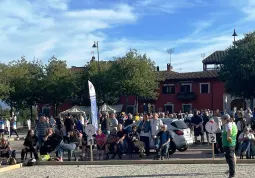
x,y
12,161
29,162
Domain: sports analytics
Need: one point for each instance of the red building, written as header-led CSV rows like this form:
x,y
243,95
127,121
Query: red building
x,y
185,91
177,91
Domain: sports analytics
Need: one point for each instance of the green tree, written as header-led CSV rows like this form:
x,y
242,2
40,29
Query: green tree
x,y
60,83
98,74
133,75
23,78
238,68
4,84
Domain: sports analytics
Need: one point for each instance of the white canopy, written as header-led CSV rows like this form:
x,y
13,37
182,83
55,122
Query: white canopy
x,y
111,108
73,110
87,109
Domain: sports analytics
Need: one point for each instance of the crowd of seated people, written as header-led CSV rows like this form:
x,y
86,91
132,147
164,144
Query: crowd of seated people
x,y
66,135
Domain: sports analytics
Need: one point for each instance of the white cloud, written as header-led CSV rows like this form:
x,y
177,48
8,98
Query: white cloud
x,y
201,26
123,13
42,48
42,28
247,7
169,6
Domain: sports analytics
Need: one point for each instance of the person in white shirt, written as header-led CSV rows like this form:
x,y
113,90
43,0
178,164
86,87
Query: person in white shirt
x,y
8,125
245,138
114,121
156,124
248,116
14,126
218,145
82,120
29,124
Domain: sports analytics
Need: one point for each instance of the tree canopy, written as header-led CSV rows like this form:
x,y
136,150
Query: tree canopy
x,y
134,75
238,68
25,83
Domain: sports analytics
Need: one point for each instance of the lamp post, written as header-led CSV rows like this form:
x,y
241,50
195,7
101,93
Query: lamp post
x,y
95,45
234,35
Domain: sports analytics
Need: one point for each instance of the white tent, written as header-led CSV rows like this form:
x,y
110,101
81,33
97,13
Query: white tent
x,y
111,108
87,109
73,110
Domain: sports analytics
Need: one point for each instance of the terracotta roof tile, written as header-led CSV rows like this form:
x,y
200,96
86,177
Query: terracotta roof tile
x,y
77,69
215,58
170,75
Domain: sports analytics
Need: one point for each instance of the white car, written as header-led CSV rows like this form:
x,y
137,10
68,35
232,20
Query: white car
x,y
180,132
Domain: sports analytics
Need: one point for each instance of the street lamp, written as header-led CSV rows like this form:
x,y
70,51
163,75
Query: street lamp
x,y
95,45
234,35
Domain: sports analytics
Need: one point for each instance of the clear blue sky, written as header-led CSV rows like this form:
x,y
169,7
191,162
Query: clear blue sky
x,y
67,29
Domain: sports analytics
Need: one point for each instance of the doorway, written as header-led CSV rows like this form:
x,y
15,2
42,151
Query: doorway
x,y
169,108
238,103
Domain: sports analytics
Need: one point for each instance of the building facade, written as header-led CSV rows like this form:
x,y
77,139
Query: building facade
x,y
185,91
179,92
182,92
191,90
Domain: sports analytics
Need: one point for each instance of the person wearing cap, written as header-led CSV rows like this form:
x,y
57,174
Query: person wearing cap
x,y
163,142
229,134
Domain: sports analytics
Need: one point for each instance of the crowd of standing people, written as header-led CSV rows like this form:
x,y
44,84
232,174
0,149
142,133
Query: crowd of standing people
x,y
235,134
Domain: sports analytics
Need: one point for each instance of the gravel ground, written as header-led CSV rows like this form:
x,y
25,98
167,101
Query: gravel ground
x,y
117,171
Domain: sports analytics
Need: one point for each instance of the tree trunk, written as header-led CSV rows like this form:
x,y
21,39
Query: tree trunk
x,y
31,113
137,108
11,109
126,107
55,110
251,104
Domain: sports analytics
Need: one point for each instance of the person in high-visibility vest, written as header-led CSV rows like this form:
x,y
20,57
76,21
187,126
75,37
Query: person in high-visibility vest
x,y
229,134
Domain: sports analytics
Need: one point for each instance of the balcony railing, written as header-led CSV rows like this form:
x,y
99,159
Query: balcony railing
x,y
186,96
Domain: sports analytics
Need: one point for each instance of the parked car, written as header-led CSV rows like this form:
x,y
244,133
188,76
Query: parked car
x,y
180,132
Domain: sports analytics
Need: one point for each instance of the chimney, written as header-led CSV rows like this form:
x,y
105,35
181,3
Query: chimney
x,y
157,68
169,67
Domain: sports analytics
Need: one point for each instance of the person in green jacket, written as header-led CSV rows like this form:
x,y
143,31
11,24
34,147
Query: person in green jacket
x,y
229,133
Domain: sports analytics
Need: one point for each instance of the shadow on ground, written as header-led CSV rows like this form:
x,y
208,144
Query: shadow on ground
x,y
167,175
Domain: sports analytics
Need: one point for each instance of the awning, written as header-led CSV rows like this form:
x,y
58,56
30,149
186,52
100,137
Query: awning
x,y
73,110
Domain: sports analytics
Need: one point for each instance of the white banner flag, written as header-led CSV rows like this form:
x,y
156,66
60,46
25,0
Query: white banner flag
x,y
93,101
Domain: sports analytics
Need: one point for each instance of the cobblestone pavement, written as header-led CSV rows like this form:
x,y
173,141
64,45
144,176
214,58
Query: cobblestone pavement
x,y
117,171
